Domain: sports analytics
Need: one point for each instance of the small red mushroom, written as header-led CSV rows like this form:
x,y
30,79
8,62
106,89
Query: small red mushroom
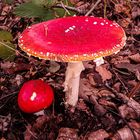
x,y
73,40
34,96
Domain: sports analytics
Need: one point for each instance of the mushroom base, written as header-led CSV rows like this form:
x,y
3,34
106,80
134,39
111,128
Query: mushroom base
x,y
71,84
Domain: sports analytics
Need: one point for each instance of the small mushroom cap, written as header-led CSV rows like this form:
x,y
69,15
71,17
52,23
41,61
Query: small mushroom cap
x,y
73,39
34,96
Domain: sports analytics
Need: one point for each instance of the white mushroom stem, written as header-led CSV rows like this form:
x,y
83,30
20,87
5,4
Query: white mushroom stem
x,y
40,113
72,80
71,84
99,61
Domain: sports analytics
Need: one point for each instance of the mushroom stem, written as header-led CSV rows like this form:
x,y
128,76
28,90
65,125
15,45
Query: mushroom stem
x,y
40,113
99,61
71,84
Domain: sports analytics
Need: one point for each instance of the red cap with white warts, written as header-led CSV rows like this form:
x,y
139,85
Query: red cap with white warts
x,y
73,39
34,96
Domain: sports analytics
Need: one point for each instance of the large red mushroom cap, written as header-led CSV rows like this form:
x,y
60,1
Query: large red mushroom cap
x,y
73,39
34,96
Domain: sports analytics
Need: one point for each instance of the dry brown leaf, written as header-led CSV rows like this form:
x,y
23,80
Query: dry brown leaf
x,y
108,121
105,74
86,89
134,105
116,86
135,68
106,103
120,59
40,121
54,67
105,93
127,112
4,122
81,105
135,11
97,135
18,79
122,8
126,133
74,1
88,65
67,134
135,57
124,22
6,65
98,109
11,67
132,83
91,79
28,134
2,138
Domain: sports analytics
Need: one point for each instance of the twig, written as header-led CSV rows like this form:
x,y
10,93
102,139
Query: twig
x,y
31,133
124,98
128,101
93,7
134,90
131,129
105,5
7,46
6,102
13,49
65,8
8,95
68,8
121,82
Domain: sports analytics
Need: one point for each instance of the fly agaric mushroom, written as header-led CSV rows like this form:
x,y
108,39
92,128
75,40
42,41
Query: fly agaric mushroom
x,y
73,40
34,96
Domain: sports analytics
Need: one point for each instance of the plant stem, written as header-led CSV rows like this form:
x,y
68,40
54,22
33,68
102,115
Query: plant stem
x,y
93,7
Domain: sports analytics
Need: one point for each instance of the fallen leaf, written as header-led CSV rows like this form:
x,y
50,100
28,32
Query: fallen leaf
x,y
106,103
74,1
108,121
10,67
4,122
67,134
120,59
40,121
18,79
117,86
86,89
135,11
91,79
105,74
123,8
127,112
88,65
83,107
132,83
135,57
28,133
124,22
97,135
54,67
105,93
6,65
98,109
2,138
7,48
134,68
126,133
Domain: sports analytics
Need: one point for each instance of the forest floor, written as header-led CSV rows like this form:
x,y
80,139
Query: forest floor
x,y
109,101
